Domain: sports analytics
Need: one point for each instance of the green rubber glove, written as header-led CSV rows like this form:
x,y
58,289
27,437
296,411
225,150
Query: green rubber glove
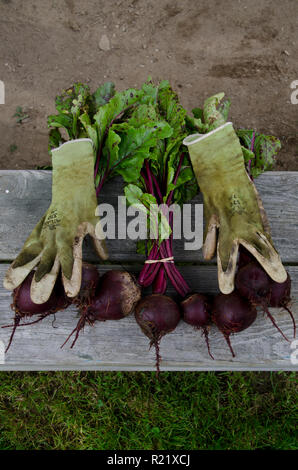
x,y
232,206
57,239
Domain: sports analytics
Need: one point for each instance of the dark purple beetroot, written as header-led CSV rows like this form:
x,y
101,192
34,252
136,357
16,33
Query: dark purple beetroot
x,y
24,307
231,313
280,297
115,296
90,279
245,257
196,311
253,283
157,315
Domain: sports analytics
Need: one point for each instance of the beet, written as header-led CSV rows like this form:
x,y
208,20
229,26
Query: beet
x,y
280,297
196,310
245,257
157,315
90,279
253,283
24,307
115,296
232,313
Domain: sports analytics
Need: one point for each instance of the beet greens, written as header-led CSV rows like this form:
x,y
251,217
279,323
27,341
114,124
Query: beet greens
x,y
166,178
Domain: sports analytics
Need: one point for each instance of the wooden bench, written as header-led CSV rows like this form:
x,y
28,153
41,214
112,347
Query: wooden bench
x,y
120,345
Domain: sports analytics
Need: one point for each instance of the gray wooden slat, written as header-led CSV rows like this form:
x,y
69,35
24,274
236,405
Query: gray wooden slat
x,y
120,345
25,195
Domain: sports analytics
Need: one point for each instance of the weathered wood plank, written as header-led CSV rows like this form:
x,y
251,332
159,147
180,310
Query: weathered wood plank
x,y
25,195
120,345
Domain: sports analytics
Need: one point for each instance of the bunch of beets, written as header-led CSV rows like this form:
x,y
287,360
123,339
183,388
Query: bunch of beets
x,y
116,294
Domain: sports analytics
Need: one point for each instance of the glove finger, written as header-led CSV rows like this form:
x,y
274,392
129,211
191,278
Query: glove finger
x,y
66,259
32,246
71,262
27,254
98,238
226,277
46,263
264,252
209,246
15,276
41,291
26,260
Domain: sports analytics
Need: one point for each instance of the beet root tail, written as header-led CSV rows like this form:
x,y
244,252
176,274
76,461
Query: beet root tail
x,y
205,333
16,324
155,343
76,330
274,322
227,338
40,318
293,320
158,358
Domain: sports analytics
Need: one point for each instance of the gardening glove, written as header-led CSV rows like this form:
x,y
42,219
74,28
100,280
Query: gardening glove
x,y
231,206
57,239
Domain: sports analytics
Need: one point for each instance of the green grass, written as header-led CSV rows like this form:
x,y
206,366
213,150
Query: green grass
x,y
185,410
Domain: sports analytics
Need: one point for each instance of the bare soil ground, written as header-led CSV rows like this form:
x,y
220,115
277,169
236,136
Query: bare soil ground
x,y
247,48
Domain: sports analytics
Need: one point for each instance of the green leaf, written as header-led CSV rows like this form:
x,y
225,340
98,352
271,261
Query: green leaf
x,y
246,137
148,200
103,94
133,194
215,111
196,125
135,146
72,102
198,113
265,149
90,129
55,138
248,155
115,108
164,229
72,99
61,120
150,92
259,150
171,110
142,247
111,149
143,114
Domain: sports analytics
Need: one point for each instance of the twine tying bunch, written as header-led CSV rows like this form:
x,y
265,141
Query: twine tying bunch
x,y
163,260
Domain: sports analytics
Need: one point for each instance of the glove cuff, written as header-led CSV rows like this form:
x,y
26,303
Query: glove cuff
x,y
73,151
220,149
